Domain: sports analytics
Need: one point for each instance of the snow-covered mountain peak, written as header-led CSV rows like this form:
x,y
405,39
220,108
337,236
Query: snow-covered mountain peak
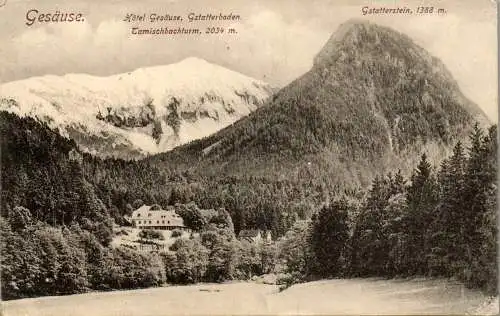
x,y
145,111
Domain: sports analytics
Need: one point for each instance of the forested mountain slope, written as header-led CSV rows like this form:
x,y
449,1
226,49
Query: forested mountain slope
x,y
373,99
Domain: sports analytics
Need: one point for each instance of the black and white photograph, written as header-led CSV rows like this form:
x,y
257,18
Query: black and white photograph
x,y
235,157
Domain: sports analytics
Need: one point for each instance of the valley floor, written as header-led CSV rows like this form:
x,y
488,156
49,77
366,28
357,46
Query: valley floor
x,y
343,296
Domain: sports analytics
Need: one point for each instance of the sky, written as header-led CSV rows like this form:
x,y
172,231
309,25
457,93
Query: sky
x,y
276,40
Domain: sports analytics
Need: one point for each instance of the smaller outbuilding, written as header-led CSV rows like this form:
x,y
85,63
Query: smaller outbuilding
x,y
255,235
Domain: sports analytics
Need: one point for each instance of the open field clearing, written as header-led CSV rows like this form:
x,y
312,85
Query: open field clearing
x,y
352,296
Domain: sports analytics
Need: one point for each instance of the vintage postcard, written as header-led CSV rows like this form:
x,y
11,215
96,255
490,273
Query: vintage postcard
x,y
267,157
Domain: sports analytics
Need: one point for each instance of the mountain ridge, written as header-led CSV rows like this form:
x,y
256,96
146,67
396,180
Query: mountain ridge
x,y
373,98
145,111
353,29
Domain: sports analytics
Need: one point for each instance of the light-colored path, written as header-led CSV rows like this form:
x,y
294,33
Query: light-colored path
x,y
352,296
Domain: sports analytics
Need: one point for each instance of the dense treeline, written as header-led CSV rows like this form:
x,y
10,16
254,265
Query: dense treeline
x,y
55,230
42,172
440,223
39,259
58,207
215,255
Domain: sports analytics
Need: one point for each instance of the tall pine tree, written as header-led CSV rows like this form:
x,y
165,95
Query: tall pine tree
x,y
421,199
329,237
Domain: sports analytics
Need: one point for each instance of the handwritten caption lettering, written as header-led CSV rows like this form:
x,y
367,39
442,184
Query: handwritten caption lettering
x,y
382,10
34,16
189,24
